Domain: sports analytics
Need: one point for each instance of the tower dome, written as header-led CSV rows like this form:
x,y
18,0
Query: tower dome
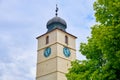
x,y
56,22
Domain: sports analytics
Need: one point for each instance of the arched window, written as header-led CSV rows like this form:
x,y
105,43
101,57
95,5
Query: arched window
x,y
47,39
66,39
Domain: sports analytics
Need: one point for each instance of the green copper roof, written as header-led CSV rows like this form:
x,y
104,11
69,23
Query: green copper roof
x,y
56,22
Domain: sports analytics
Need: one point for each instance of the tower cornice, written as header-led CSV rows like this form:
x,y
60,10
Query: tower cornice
x,y
59,30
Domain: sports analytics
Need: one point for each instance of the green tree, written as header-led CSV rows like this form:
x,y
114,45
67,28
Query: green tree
x,y
102,50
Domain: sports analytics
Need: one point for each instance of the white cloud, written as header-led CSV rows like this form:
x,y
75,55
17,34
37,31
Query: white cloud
x,y
22,65
20,62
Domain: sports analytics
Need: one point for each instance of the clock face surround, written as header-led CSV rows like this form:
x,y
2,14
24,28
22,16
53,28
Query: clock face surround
x,y
47,52
66,51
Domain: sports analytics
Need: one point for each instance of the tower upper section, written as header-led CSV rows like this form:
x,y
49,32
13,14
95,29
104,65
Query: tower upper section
x,y
56,22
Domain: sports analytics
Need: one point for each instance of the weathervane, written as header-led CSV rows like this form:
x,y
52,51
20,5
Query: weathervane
x,y
56,10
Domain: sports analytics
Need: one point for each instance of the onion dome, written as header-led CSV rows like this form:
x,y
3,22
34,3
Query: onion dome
x,y
56,22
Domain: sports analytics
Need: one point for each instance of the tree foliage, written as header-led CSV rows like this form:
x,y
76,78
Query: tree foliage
x,y
103,48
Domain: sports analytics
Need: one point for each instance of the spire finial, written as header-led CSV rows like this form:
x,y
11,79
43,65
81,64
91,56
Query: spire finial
x,y
56,10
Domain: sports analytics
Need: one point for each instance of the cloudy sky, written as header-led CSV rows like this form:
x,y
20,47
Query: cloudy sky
x,y
21,21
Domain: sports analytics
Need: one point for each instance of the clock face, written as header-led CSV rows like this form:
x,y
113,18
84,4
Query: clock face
x,y
47,52
66,51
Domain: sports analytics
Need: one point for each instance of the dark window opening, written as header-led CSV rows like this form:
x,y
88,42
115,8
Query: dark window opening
x,y
66,39
47,39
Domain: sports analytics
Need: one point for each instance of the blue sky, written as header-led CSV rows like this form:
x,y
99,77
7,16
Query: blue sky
x,y
21,21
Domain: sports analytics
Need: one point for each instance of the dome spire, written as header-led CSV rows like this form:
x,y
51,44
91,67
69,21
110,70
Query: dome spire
x,y
56,22
56,10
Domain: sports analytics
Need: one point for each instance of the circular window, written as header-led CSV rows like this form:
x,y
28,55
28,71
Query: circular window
x,y
47,52
66,51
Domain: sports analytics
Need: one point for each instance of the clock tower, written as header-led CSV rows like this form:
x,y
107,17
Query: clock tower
x,y
56,50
